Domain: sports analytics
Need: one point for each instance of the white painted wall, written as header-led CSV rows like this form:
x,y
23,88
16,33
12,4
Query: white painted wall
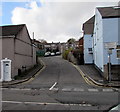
x,y
110,34
0,54
88,58
105,30
98,41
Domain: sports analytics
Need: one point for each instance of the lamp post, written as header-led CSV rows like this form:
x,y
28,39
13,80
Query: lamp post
x,y
109,46
109,64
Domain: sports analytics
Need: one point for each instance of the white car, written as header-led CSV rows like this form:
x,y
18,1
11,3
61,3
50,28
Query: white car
x,y
47,54
57,53
52,54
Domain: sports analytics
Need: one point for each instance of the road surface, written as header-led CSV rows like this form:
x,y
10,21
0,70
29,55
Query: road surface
x,y
58,87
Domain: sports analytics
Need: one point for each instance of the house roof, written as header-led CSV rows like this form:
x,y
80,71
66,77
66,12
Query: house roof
x,y
88,26
109,12
10,30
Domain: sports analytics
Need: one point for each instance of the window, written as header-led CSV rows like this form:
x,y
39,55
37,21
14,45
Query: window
x,y
118,51
90,50
118,47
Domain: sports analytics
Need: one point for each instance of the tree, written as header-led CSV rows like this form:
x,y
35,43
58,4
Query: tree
x,y
71,41
42,41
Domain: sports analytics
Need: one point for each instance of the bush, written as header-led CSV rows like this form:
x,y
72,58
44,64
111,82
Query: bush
x,y
65,53
78,54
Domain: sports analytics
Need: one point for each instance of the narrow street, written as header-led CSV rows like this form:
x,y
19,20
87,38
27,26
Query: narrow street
x,y
59,86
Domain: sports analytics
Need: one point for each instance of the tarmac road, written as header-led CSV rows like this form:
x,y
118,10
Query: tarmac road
x,y
58,87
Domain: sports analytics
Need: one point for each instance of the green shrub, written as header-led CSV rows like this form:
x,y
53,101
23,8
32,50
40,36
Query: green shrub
x,y
65,53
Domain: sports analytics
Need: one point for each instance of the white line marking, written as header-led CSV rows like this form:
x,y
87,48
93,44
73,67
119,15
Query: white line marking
x,y
11,102
23,89
42,89
17,89
67,89
53,86
14,89
55,89
93,90
4,88
26,89
107,90
78,89
39,103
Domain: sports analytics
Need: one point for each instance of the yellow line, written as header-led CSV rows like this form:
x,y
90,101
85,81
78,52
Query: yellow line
x,y
83,76
31,79
87,80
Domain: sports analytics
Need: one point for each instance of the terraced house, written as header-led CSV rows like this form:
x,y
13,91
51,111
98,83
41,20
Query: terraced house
x,y
106,31
100,31
16,45
88,28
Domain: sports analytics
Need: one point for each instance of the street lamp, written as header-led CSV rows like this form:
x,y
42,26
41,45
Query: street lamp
x,y
109,46
109,64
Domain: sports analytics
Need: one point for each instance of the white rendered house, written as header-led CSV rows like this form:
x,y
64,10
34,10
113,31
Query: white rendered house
x,y
106,30
88,28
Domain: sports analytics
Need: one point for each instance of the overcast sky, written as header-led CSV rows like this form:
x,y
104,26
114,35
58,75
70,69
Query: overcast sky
x,y
56,21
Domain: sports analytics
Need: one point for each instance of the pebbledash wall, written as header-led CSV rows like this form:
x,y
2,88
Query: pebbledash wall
x,y
105,30
20,50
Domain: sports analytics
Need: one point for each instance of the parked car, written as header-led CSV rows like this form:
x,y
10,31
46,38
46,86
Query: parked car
x,y
47,54
58,53
52,54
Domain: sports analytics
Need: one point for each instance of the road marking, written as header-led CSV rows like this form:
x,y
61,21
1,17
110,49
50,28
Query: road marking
x,y
67,89
42,89
22,89
78,89
14,89
26,89
11,102
93,90
55,89
53,86
38,73
82,74
17,89
107,90
40,103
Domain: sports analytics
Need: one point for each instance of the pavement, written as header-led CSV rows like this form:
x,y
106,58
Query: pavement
x,y
87,71
95,77
30,75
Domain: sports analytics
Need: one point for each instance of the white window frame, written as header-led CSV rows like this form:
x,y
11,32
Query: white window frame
x,y
118,49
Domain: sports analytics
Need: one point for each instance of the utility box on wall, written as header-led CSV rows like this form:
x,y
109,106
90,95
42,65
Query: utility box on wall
x,y
6,70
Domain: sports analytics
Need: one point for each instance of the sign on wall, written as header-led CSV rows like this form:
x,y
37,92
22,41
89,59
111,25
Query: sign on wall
x,y
110,45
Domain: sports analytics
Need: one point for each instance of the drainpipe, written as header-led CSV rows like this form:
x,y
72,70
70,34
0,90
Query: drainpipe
x,y
33,48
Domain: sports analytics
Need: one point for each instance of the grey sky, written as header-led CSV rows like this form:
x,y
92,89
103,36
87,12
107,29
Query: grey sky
x,y
56,21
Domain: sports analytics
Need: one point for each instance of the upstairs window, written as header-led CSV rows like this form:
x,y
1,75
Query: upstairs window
x,y
90,50
118,51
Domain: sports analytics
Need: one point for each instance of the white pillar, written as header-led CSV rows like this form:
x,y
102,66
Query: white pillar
x,y
5,70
